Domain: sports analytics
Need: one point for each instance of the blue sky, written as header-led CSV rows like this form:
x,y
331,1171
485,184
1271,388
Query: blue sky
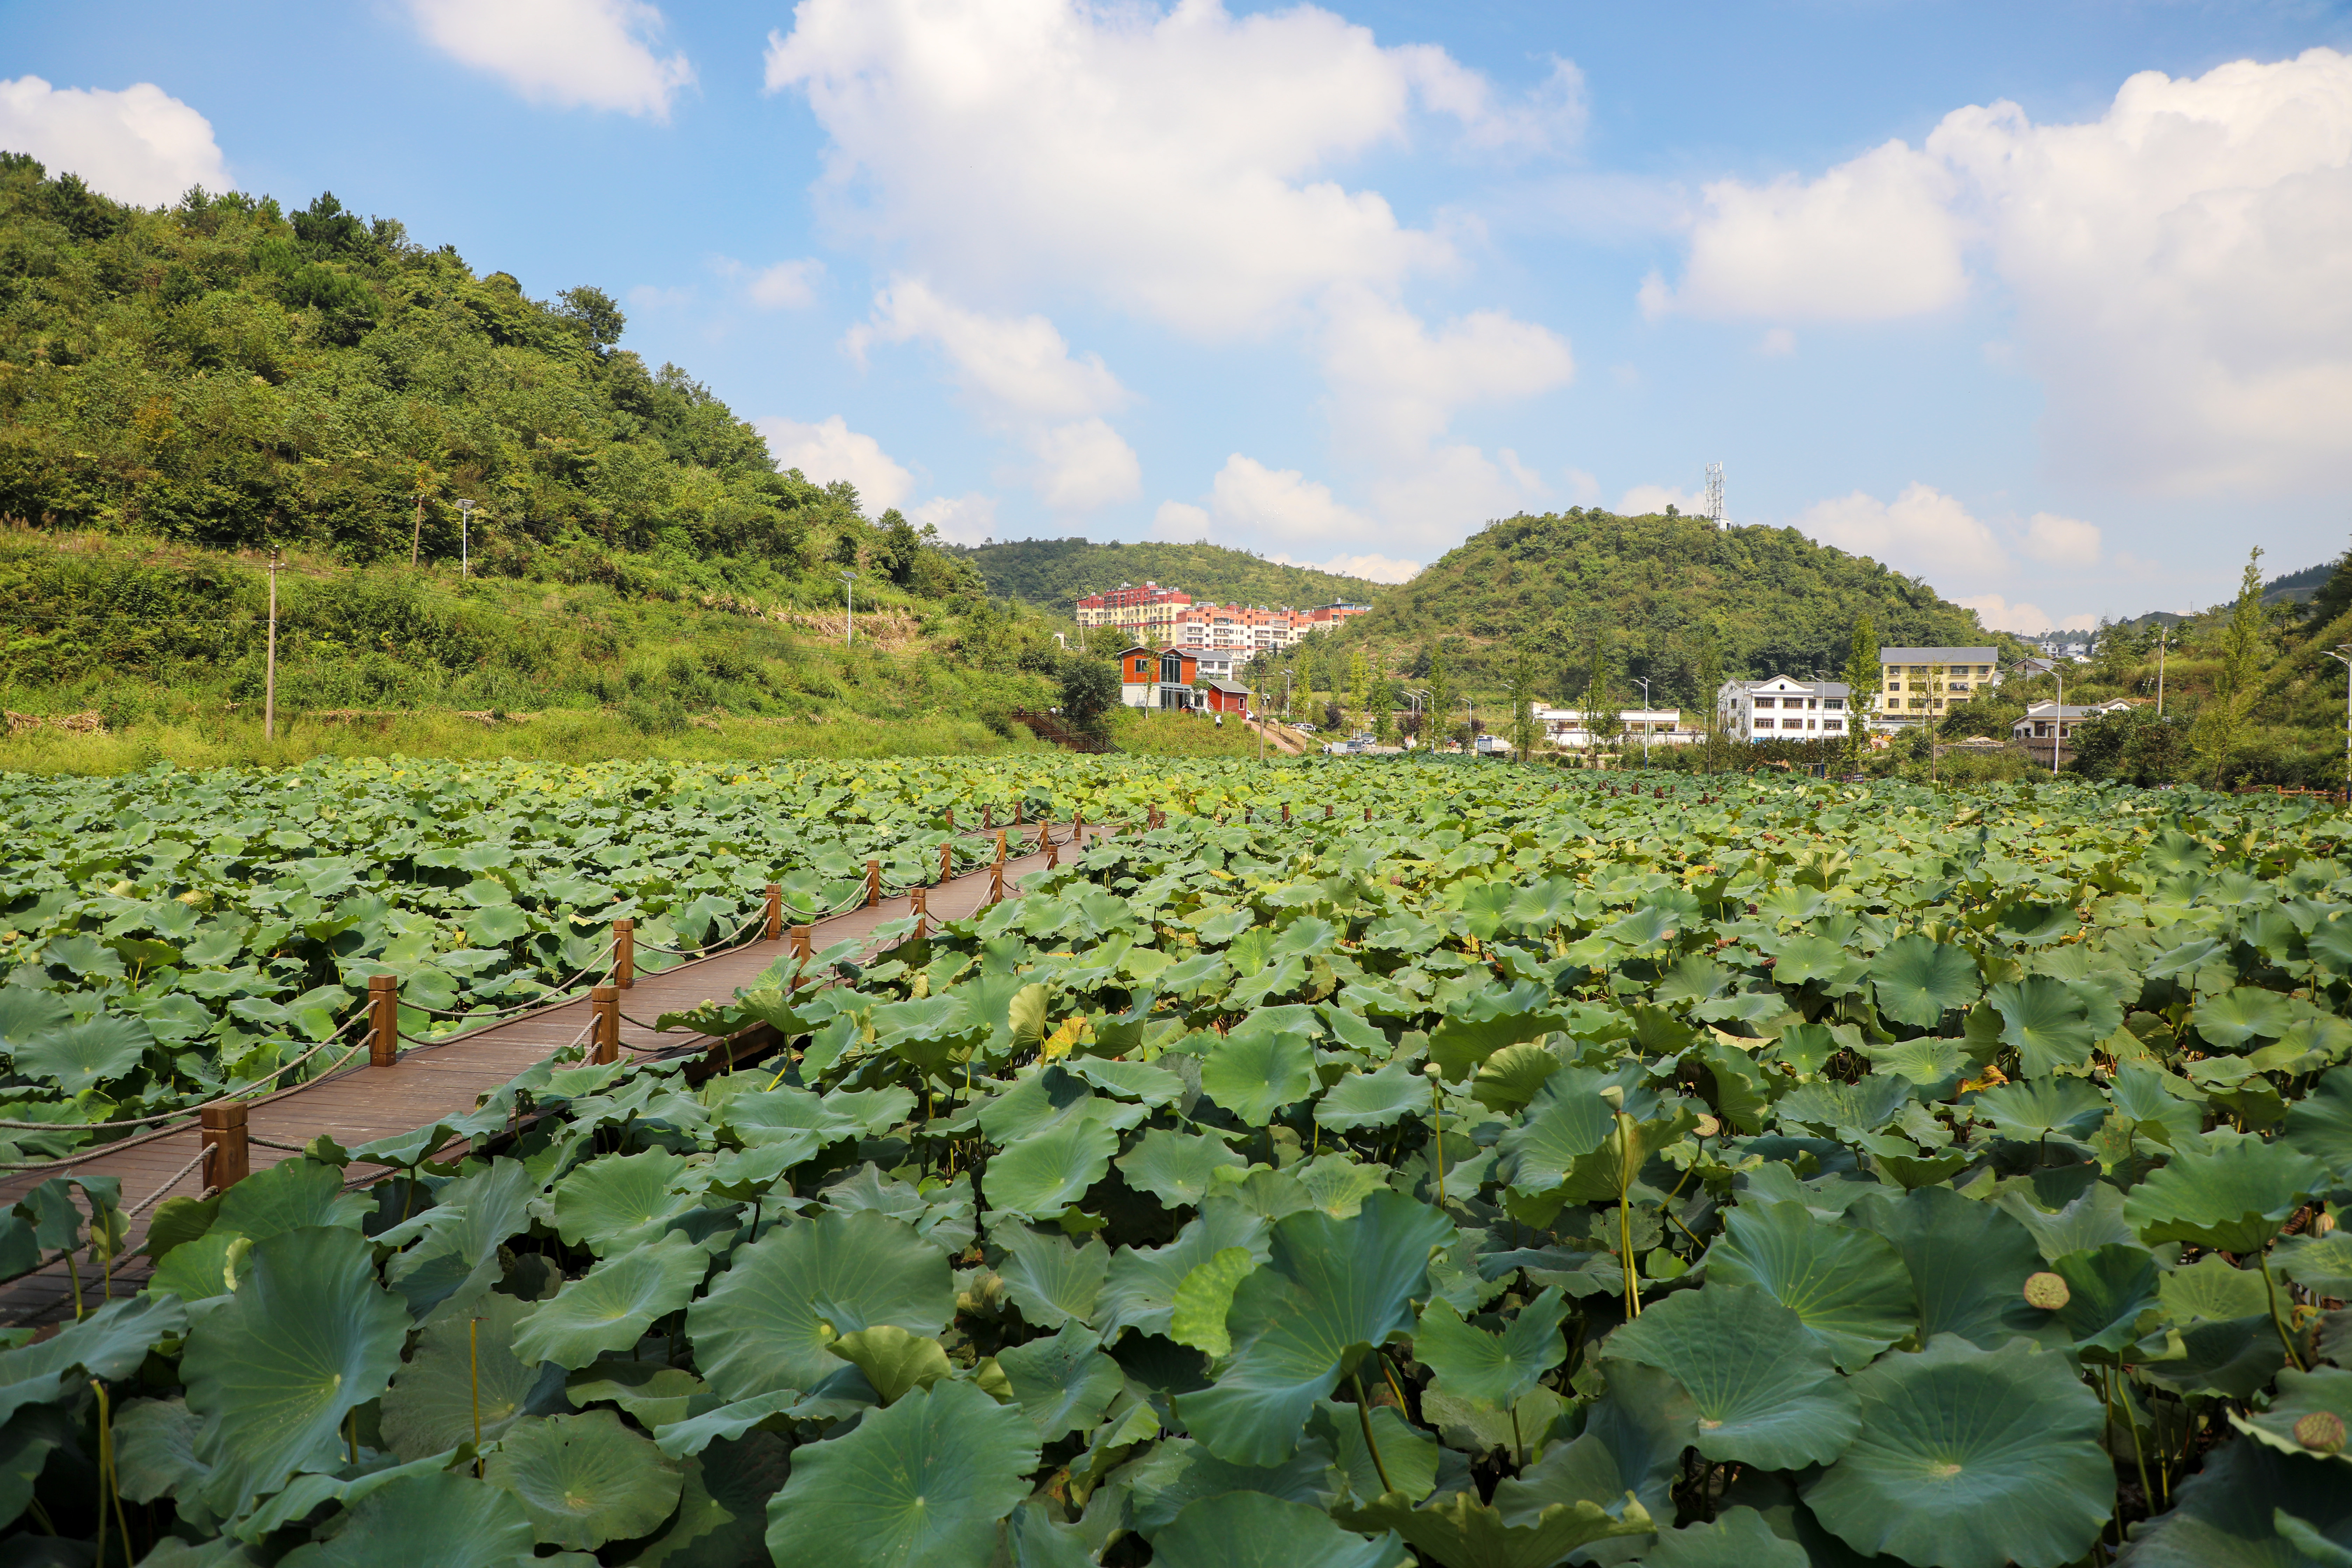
x,y
2042,303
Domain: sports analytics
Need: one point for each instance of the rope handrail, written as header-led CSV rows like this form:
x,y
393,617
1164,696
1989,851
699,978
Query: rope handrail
x,y
184,1110
732,939
176,1178
553,993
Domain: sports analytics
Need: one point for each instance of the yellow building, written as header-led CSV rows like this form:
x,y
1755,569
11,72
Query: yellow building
x,y
1918,685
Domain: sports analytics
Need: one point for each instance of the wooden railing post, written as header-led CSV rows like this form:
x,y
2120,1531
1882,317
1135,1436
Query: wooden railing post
x,y
384,1025
224,1134
1053,854
987,814
951,819
775,928
1285,814
996,881
604,1016
1326,813
873,883
947,861
921,910
801,943
624,952
1016,814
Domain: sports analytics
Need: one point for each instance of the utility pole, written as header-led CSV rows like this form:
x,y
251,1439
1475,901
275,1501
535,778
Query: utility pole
x,y
416,534
465,538
2343,656
849,610
2162,633
269,669
2058,725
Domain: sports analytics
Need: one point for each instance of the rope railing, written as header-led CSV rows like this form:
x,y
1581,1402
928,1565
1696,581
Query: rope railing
x,y
554,994
163,1116
176,1177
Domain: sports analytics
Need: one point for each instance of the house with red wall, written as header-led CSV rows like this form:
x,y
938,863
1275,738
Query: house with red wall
x,y
1225,697
1158,678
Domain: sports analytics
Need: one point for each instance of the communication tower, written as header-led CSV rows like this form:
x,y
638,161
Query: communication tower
x,y
1714,493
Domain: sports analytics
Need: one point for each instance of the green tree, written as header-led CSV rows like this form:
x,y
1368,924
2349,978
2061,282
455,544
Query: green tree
x,y
1521,689
1090,690
1439,722
2222,721
1359,690
1862,677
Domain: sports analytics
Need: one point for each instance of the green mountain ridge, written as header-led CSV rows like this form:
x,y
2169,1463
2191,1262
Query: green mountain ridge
x,y
1051,574
1655,592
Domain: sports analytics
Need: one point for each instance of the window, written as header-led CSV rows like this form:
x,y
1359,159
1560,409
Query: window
x,y
1763,723
1958,686
1833,703
1894,686
1832,723
1172,669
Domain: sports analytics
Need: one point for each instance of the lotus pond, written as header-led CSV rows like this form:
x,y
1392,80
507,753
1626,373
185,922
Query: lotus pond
x,y
1537,1173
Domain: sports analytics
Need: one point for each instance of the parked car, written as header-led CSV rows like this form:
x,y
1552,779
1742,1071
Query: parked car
x,y
1304,729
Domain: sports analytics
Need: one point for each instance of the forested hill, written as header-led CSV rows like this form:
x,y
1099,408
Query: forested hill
x,y
224,373
1656,590
1051,572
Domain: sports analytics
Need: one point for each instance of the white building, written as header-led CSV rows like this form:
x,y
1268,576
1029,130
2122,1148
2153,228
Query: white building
x,y
2042,718
1569,728
1918,684
1782,708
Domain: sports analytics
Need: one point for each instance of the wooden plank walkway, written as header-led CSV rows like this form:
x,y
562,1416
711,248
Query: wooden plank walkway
x,y
360,1104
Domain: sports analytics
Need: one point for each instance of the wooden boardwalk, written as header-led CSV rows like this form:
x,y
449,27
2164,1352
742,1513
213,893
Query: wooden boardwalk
x,y
360,1104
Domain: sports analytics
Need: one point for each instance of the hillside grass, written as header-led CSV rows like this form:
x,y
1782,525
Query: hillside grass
x,y
1053,573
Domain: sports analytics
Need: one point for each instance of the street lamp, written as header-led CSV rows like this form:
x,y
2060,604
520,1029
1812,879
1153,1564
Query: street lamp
x,y
2342,654
1643,682
849,611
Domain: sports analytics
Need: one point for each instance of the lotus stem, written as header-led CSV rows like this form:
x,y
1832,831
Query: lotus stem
x,y
73,1271
1518,1444
474,1374
1371,1443
2262,1260
2139,1456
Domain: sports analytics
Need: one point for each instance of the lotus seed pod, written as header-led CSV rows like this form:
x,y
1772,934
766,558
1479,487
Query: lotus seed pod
x,y
2047,1291
2322,1432
1432,1068
2323,1224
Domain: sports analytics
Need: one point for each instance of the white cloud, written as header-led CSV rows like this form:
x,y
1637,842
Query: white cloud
x,y
1776,343
1870,239
140,145
1921,532
2061,540
961,520
1583,490
2176,264
1251,506
1020,372
1175,162
1644,500
1371,568
786,286
1084,465
1998,614
1018,363
830,450
596,53
1181,523
1395,384
652,296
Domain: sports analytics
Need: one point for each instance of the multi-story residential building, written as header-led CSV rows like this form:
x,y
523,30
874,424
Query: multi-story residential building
x,y
1161,614
1150,613
1783,709
1916,685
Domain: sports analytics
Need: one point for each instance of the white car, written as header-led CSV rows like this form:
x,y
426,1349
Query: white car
x,y
1304,729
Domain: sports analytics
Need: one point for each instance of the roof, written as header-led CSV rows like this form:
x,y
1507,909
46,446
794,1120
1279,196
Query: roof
x,y
1792,685
1228,688
1939,656
2087,710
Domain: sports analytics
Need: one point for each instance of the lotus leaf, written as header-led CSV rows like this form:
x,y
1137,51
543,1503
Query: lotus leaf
x,y
441,1518
1254,1072
1968,1262
1063,1384
1765,1392
1047,1173
696,1433
2310,1417
764,1325
1373,1099
1488,1021
620,1202
1251,1529
2230,1195
2044,1022
921,1484
75,1057
1409,1457
462,1365
2241,1015
2323,1265
2227,1515
892,1361
651,1393
585,1479
1849,1287
1736,1538
612,1306
155,1449
1048,1279
1180,1472
2320,1124
1460,1532
1139,1290
308,1337
1204,1297
1501,1369
722,1505
1970,1458
1329,1290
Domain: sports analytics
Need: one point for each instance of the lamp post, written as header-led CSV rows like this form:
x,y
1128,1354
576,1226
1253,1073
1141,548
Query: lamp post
x,y
465,532
1643,682
2163,635
849,609
2342,654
